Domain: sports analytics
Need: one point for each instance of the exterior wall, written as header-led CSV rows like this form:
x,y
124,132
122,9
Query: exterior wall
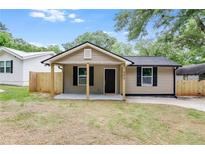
x,y
164,85
98,87
16,77
20,75
189,77
78,57
35,65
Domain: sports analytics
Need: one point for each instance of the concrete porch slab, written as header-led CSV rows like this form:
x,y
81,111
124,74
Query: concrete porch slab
x,y
92,97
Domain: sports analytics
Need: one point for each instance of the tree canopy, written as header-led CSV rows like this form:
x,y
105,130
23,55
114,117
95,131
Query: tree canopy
x,y
7,40
103,40
180,34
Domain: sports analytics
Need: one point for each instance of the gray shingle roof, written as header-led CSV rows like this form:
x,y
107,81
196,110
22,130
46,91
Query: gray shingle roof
x,y
195,69
151,61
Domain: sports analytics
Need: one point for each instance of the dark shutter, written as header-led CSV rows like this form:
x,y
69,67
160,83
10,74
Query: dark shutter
x,y
154,76
139,76
91,80
75,75
11,66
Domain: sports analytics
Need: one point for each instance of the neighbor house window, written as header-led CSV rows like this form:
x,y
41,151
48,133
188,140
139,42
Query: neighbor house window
x,y
2,67
81,76
8,66
5,67
147,76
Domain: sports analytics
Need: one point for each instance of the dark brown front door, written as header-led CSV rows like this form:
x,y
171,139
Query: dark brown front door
x,y
109,80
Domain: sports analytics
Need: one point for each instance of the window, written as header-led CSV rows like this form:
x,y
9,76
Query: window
x,y
8,66
87,53
147,74
2,67
5,67
81,76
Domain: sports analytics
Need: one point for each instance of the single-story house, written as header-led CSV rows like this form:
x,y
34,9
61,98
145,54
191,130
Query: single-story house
x,y
15,65
89,69
191,72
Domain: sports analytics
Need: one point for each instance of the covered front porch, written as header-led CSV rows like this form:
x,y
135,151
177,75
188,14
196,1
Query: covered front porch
x,y
102,82
90,72
116,97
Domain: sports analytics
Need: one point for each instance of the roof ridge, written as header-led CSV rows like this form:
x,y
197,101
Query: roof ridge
x,y
25,55
144,56
25,51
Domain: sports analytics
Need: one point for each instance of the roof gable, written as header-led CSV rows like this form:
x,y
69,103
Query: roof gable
x,y
84,45
97,57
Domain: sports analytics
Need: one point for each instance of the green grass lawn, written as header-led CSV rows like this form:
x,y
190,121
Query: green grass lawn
x,y
19,94
36,119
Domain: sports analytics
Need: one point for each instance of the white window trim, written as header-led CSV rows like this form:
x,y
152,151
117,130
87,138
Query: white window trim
x,y
86,50
4,61
4,66
81,75
146,76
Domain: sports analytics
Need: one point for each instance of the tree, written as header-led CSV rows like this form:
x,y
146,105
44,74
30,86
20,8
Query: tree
x,y
161,48
55,48
99,38
123,49
7,40
3,27
180,34
169,21
103,40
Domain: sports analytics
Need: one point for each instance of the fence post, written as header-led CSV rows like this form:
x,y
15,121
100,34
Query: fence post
x,y
32,81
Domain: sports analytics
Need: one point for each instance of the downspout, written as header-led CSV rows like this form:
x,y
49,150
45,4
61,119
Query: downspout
x,y
174,78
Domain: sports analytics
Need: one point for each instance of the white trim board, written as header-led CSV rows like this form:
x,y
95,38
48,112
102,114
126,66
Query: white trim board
x,y
146,85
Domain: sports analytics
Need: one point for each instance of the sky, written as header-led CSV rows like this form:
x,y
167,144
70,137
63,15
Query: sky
x,y
46,27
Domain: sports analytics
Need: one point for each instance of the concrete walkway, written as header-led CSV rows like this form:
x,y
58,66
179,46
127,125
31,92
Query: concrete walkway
x,y
187,102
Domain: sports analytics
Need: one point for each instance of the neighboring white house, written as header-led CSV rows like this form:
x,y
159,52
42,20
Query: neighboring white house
x,y
15,65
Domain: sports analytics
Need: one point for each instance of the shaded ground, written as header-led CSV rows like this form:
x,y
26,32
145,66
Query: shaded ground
x,y
36,119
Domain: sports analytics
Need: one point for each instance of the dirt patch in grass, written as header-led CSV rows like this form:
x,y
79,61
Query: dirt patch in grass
x,y
40,120
97,122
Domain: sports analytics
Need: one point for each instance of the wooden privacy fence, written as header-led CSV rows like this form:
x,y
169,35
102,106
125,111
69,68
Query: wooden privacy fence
x,y
41,82
190,88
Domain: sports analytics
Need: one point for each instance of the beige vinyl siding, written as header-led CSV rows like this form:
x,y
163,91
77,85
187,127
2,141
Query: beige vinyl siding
x,y
98,87
97,57
164,85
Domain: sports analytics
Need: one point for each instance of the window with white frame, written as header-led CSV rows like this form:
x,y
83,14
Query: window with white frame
x,y
2,67
81,76
8,66
147,76
5,67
